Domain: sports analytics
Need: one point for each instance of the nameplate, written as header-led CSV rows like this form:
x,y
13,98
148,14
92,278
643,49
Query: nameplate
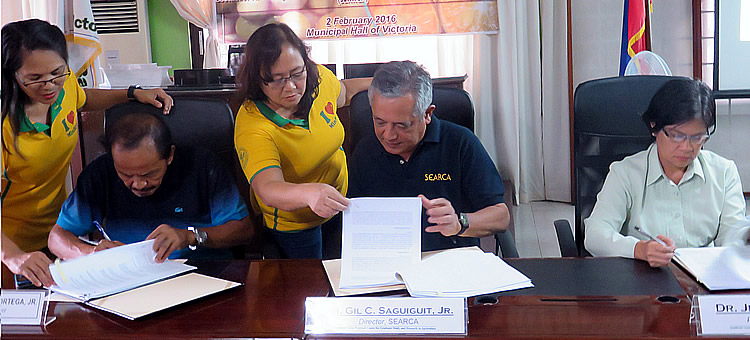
x,y
22,307
724,314
374,315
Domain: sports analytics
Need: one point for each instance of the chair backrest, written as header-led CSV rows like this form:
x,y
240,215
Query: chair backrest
x,y
451,104
360,70
607,127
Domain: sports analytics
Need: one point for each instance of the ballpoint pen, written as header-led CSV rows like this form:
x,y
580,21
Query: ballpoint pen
x,y
638,229
101,230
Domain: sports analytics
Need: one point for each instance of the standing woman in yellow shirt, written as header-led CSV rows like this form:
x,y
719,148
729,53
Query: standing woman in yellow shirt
x,y
289,138
40,100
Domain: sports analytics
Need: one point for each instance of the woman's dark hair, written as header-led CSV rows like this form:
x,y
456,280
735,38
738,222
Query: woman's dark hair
x,y
681,100
19,39
262,50
131,128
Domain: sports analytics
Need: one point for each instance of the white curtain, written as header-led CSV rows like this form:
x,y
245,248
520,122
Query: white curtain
x,y
202,13
520,88
518,80
31,9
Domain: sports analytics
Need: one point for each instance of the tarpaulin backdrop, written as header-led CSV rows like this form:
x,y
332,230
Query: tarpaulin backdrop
x,y
341,19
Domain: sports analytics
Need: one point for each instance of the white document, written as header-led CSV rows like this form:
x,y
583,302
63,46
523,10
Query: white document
x,y
717,268
380,236
112,271
461,273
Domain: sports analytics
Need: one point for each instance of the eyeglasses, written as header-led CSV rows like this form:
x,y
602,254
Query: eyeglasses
x,y
694,139
55,80
281,82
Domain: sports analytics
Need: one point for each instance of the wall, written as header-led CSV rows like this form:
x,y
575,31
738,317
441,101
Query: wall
x,y
170,42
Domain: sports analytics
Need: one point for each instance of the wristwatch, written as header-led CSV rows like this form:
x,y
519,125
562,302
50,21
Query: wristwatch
x,y
200,236
463,220
131,91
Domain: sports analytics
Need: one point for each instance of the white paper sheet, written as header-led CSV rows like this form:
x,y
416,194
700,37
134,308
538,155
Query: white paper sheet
x,y
112,271
380,235
718,268
461,273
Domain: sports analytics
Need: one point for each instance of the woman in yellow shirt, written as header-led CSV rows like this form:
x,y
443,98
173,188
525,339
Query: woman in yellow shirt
x,y
289,138
40,100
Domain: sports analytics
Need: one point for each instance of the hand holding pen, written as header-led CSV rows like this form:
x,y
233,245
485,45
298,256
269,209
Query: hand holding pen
x,y
658,253
107,242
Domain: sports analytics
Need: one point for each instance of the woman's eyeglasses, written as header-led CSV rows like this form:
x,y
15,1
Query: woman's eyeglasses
x,y
281,82
55,80
694,139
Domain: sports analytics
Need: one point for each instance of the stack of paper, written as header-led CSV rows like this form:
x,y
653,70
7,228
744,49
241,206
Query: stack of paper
x,y
112,271
461,273
128,282
379,236
717,268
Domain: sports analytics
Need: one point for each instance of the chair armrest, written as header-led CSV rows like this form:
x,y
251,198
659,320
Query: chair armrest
x,y
506,246
565,239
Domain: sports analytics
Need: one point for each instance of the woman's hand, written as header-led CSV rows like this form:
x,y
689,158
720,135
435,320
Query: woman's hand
x,y
34,266
156,97
654,253
323,199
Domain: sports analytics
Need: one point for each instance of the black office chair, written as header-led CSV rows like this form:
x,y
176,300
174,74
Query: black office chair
x,y
451,104
360,70
206,123
607,127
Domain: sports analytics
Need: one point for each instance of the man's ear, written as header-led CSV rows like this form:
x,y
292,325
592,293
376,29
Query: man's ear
x,y
428,114
171,155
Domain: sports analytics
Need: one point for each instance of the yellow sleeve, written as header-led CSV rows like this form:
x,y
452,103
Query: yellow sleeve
x,y
80,93
256,148
329,82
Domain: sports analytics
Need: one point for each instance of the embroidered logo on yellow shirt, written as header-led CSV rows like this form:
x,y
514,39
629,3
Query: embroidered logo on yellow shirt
x,y
329,112
69,123
437,177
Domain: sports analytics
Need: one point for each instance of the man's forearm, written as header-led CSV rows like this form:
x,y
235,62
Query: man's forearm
x,y
229,234
66,245
488,221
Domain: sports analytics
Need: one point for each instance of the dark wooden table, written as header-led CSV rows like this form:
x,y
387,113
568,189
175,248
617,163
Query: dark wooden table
x,y
271,304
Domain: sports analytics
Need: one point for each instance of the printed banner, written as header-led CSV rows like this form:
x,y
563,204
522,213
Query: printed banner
x,y
342,19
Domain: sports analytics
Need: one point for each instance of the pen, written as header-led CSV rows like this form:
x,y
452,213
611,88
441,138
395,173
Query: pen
x,y
638,229
101,230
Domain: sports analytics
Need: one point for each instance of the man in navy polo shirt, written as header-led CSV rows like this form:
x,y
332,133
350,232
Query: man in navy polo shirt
x,y
146,188
414,153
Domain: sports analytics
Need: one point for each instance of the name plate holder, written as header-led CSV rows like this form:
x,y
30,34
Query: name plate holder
x,y
385,315
721,314
25,307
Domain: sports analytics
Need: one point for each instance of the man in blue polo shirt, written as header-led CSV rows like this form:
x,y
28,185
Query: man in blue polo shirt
x,y
146,188
414,153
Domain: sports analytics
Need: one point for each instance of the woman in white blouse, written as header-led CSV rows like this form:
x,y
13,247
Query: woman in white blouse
x,y
674,191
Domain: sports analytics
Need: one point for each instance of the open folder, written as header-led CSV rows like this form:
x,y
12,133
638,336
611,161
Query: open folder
x,y
128,282
717,268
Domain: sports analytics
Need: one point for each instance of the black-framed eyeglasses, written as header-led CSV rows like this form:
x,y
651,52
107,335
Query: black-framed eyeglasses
x,y
694,139
281,82
55,80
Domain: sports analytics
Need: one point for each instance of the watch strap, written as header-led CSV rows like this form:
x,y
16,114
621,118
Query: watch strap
x,y
463,220
131,91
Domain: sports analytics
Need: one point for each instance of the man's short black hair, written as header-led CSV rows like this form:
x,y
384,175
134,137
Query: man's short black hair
x,y
131,128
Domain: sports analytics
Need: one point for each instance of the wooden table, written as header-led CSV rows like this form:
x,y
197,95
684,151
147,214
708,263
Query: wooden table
x,y
271,304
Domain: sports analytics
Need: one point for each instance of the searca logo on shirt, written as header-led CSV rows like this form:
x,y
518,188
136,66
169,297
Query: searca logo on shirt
x,y
69,124
328,111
